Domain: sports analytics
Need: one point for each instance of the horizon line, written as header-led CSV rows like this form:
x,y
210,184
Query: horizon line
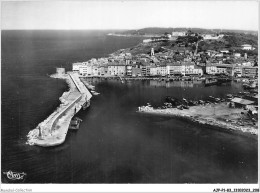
x,y
255,30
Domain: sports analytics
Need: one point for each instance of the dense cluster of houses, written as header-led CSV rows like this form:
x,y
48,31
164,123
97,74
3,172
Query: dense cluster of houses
x,y
161,65
179,60
135,67
236,70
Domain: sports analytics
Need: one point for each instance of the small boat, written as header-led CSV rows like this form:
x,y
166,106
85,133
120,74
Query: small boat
x,y
191,103
250,86
201,102
180,107
74,123
94,92
185,107
229,95
217,99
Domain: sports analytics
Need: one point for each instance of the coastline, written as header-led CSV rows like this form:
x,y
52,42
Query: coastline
x,y
194,114
131,35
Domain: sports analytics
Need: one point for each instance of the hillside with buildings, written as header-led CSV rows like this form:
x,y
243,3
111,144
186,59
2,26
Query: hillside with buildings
x,y
180,53
159,31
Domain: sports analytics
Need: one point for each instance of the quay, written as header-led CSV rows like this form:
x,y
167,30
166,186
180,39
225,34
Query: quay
x,y
53,130
167,79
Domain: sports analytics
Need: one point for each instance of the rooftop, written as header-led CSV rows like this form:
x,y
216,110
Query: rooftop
x,y
242,101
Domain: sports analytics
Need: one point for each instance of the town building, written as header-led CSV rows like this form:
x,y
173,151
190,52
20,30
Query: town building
x,y
238,71
174,69
239,102
60,71
197,70
224,51
211,69
180,33
249,71
136,71
76,66
221,69
129,70
162,71
153,71
147,40
116,70
85,70
103,70
214,69
95,70
145,70
212,36
237,55
247,47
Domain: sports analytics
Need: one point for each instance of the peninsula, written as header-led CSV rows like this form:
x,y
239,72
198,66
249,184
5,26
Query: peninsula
x,y
219,115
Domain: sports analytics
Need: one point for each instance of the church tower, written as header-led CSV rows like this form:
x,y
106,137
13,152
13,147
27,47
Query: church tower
x,y
152,52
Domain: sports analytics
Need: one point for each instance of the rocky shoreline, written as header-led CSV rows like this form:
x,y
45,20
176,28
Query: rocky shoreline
x,y
194,114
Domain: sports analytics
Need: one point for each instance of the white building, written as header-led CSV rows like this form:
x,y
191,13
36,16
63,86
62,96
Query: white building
x,y
198,70
174,69
129,70
153,71
247,47
176,33
76,66
147,40
247,64
162,70
116,70
220,69
95,70
212,36
85,70
211,69
224,51
238,71
237,55
169,36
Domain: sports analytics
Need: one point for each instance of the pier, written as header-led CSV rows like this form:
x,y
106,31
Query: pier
x,y
53,130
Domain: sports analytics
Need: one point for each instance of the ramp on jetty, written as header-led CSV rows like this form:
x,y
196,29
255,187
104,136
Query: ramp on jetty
x,y
53,130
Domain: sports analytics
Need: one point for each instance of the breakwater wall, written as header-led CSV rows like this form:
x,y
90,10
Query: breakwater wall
x,y
64,111
53,130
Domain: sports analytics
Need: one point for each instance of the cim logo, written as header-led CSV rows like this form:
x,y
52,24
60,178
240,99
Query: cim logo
x,y
15,176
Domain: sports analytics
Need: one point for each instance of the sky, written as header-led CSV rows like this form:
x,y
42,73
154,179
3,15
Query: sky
x,y
129,14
